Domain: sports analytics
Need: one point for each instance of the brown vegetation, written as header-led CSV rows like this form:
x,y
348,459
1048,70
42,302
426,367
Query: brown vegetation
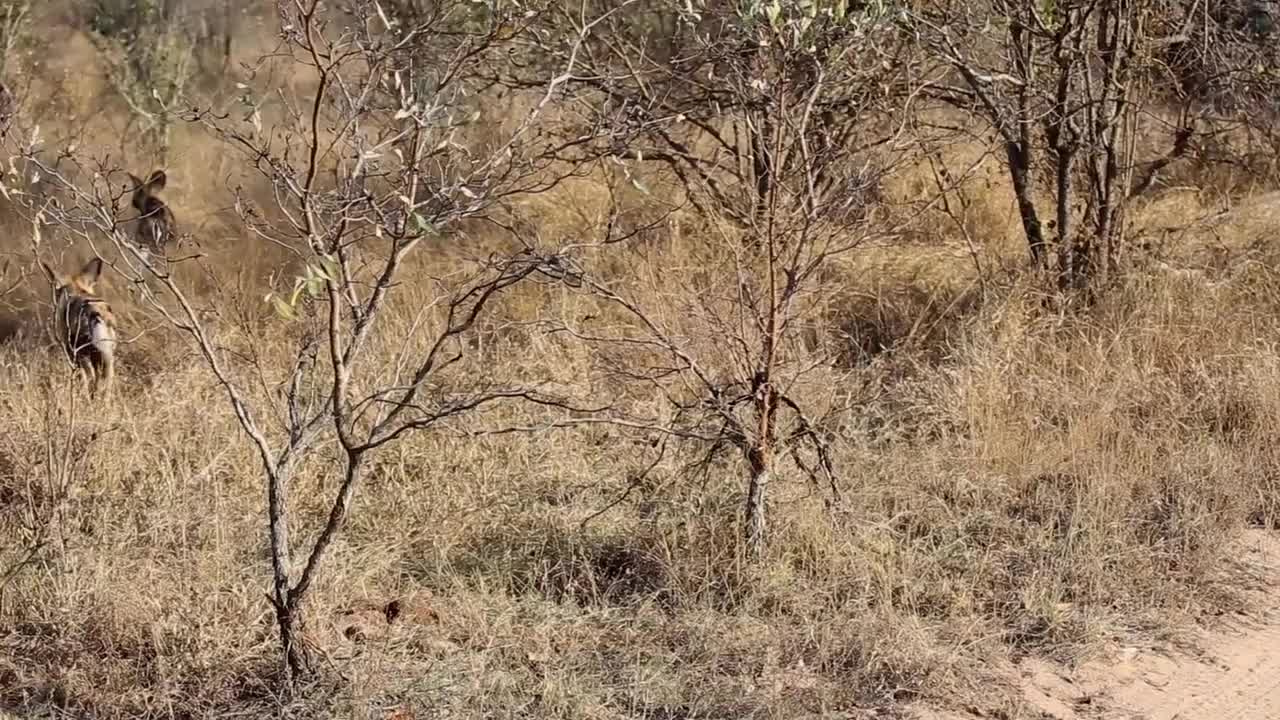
x,y
986,466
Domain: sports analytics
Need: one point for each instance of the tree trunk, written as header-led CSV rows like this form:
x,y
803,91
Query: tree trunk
x,y
760,460
226,34
288,600
293,652
287,615
1019,143
762,168
1020,175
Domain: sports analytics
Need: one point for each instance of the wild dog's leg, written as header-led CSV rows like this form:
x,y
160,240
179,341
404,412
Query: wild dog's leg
x,y
87,375
106,373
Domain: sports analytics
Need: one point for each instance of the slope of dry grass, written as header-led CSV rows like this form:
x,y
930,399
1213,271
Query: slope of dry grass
x,y
1015,480
1047,482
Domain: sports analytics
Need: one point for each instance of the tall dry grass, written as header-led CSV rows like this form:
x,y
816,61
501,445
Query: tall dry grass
x,y
1016,479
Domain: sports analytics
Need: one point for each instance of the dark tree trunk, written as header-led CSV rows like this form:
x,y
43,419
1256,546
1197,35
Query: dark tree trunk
x,y
1023,186
760,461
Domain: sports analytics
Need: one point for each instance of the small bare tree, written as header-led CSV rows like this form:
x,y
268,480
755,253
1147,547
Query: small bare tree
x,y
1075,91
1217,63
1059,83
378,161
778,121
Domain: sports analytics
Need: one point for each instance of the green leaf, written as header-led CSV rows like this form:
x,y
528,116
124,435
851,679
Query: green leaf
x,y
422,224
332,270
1049,9
282,308
773,12
315,285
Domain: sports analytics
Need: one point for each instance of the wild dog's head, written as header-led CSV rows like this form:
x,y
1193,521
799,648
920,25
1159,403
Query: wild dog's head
x,y
81,284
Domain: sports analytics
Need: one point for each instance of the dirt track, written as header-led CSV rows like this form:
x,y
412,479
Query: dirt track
x,y
1234,676
1240,680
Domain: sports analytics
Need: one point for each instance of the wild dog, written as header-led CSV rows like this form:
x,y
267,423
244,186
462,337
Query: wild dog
x,y
84,324
155,220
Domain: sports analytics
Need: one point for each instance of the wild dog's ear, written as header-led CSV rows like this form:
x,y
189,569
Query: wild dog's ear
x,y
139,198
156,180
90,273
48,271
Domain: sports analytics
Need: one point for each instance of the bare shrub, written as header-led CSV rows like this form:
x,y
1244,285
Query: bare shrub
x,y
782,153
15,20
151,62
371,168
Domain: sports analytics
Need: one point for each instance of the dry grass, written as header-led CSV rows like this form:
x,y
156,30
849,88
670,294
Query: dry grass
x,y
1016,480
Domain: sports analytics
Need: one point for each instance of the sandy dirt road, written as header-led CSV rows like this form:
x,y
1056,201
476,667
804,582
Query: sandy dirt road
x,y
1233,675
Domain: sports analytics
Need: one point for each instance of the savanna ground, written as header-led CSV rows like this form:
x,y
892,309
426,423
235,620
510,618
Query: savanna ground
x,y
1015,480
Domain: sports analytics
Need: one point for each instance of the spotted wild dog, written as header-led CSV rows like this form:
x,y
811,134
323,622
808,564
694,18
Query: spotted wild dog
x,y
84,324
155,219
